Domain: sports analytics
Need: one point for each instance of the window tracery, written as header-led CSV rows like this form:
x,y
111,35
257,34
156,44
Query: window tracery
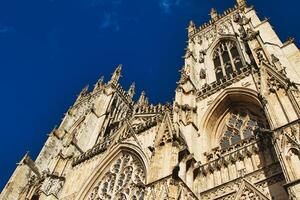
x,y
240,125
227,59
124,180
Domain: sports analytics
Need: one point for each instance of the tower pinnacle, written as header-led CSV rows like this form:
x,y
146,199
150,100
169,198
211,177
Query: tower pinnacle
x,y
116,75
241,3
213,14
143,100
99,83
191,28
131,90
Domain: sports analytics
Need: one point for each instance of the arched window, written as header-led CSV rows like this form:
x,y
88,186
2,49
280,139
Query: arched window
x,y
124,179
227,59
239,125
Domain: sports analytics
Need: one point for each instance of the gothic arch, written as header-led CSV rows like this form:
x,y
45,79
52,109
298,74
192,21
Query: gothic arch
x,y
218,40
108,160
227,99
210,54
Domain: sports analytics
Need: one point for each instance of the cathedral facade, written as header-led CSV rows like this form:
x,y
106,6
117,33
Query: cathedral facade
x,y
232,132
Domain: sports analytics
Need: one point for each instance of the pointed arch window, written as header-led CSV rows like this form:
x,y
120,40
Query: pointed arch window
x,y
240,125
227,59
123,180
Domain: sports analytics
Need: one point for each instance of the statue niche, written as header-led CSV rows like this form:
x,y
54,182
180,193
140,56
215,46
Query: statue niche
x,y
123,180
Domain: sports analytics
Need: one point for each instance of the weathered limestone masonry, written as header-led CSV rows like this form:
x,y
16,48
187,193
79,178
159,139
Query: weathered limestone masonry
x,y
232,132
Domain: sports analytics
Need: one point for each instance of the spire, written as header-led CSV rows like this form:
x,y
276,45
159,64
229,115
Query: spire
x,y
131,91
213,14
116,75
241,3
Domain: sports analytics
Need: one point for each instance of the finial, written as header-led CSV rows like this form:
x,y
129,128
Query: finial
x,y
99,83
116,75
191,24
131,90
191,28
142,100
83,92
213,14
241,3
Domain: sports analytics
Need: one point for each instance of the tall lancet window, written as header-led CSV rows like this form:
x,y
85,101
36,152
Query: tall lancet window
x,y
227,59
240,125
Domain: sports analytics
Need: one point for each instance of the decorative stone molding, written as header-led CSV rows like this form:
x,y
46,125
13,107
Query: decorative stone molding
x,y
162,188
209,89
96,150
185,108
125,179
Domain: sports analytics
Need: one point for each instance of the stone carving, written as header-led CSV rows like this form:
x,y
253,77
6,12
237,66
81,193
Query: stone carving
x,y
247,34
189,54
249,192
240,20
202,73
274,84
123,180
260,56
201,56
161,190
52,185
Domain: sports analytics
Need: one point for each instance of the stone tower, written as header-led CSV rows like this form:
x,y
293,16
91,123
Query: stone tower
x,y
232,132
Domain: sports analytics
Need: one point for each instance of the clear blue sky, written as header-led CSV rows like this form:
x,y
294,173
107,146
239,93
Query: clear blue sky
x,y
50,49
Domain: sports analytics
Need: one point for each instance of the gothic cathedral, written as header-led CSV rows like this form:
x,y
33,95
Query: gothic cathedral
x,y
232,132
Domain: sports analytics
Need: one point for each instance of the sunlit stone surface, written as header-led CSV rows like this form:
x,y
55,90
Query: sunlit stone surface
x,y
232,131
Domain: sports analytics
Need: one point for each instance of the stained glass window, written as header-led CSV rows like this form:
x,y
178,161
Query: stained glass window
x,y
240,125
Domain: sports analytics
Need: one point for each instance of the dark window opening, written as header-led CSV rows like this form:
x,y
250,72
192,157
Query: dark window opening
x,y
227,59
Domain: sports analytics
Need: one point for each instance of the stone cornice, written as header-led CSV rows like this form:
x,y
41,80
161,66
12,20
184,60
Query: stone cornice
x,y
96,150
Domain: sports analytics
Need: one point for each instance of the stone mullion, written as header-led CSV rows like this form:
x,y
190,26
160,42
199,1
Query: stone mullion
x,y
223,171
217,177
222,64
231,58
210,180
228,175
248,162
232,170
252,161
235,169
